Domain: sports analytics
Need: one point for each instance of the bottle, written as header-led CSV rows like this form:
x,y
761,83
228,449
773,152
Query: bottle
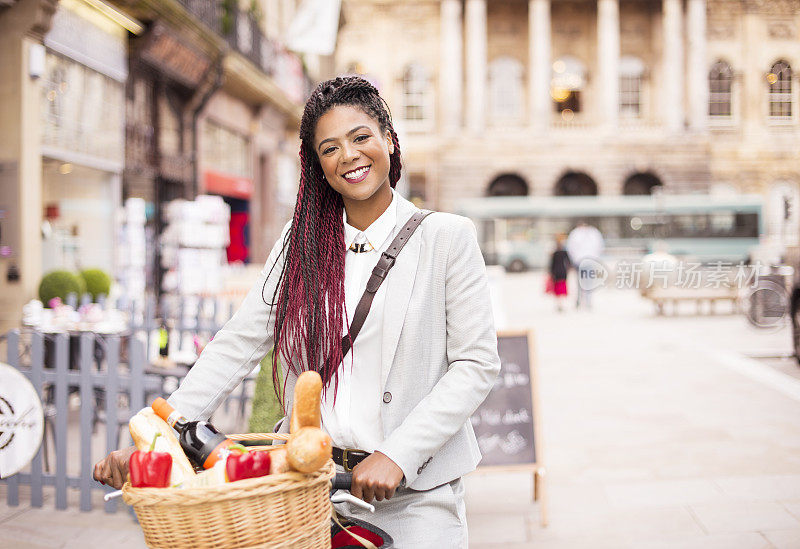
x,y
201,442
163,341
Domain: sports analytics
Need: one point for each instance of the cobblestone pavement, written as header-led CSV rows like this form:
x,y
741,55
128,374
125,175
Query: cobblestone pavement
x,y
657,432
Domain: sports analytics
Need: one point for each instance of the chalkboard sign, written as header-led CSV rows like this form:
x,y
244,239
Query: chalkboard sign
x,y
505,423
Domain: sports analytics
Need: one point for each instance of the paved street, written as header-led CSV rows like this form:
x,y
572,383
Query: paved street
x,y
657,432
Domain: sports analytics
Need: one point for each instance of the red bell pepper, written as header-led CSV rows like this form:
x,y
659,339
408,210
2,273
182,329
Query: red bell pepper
x,y
246,464
150,469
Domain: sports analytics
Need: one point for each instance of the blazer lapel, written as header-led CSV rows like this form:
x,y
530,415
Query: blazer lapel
x,y
399,283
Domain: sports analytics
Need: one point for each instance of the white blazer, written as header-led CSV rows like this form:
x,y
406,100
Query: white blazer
x,y
439,349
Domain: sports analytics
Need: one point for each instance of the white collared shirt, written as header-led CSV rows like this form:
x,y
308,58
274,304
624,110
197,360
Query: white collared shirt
x,y
354,419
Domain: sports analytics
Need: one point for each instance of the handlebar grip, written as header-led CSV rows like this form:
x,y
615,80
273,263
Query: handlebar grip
x,y
342,481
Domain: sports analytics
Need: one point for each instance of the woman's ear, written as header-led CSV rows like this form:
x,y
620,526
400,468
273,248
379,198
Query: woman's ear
x,y
389,142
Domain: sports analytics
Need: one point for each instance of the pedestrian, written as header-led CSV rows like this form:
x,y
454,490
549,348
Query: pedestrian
x,y
400,399
559,269
585,245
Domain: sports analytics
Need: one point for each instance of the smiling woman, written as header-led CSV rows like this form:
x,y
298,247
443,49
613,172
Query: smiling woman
x,y
396,400
354,153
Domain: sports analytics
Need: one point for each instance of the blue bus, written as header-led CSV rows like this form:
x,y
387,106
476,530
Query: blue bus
x,y
518,232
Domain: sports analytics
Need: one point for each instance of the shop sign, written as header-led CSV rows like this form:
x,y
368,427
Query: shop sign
x,y
228,185
164,51
21,421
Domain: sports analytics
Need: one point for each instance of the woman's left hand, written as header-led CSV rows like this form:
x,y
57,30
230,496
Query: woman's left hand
x,y
376,477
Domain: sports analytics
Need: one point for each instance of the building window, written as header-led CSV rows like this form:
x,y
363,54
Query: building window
x,y
225,150
720,84
780,91
416,96
81,109
506,89
631,74
417,189
569,78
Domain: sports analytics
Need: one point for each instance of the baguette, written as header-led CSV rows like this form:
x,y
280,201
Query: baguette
x,y
306,404
144,426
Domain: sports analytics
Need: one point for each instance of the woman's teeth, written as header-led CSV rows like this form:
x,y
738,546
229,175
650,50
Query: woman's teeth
x,y
355,174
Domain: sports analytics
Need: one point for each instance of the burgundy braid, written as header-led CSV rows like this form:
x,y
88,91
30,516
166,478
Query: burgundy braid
x,y
310,293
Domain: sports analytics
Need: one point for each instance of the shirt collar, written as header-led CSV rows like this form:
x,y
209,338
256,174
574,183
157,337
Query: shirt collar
x,y
380,229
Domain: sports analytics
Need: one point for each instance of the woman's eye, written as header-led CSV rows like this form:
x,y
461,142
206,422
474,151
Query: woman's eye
x,y
329,150
361,138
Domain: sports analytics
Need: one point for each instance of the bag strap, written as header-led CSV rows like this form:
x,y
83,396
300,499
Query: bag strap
x,y
379,272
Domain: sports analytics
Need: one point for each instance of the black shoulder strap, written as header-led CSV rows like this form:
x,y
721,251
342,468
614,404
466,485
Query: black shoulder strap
x,y
379,272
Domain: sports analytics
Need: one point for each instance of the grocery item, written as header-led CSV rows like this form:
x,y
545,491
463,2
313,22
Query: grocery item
x,y
242,463
214,476
308,449
150,469
201,442
144,426
306,403
279,461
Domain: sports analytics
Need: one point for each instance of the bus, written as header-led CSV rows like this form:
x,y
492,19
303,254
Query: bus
x,y
518,232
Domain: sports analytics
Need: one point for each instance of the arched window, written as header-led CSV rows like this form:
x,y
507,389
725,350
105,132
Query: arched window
x,y
641,183
416,96
506,90
780,91
569,78
720,84
631,73
508,184
575,184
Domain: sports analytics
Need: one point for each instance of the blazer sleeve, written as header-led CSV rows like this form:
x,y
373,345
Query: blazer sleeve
x,y
236,348
473,361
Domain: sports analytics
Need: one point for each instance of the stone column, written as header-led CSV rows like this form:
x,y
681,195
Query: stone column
x,y
539,61
608,60
451,74
475,22
672,74
697,70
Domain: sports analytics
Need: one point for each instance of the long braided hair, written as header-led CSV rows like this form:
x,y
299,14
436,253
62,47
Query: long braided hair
x,y
310,293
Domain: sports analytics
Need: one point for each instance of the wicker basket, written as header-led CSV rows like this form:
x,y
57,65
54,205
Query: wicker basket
x,y
283,510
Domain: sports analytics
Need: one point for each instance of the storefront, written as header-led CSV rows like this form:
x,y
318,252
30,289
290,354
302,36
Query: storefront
x,y
227,171
171,78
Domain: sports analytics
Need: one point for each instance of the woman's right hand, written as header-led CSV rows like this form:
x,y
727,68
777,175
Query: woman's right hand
x,y
113,469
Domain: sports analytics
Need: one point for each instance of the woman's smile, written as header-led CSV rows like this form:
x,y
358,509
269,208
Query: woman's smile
x,y
357,175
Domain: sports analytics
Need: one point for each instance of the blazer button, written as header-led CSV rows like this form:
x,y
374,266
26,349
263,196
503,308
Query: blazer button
x,y
387,397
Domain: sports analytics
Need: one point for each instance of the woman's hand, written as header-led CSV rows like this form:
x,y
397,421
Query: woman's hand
x,y
113,469
376,477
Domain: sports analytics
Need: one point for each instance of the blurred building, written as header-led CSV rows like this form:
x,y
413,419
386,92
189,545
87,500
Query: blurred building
x,y
101,101
62,141
583,97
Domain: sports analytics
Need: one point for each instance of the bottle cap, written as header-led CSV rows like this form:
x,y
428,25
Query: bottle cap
x,y
162,408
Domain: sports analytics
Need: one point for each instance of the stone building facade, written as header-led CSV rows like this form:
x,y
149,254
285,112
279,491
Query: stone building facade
x,y
560,97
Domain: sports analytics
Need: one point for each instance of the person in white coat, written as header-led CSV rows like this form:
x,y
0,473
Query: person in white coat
x,y
585,245
426,356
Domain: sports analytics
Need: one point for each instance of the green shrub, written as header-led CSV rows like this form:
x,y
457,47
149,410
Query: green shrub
x,y
266,408
59,284
97,282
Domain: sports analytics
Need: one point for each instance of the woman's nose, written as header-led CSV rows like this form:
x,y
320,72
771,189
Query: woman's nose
x,y
349,153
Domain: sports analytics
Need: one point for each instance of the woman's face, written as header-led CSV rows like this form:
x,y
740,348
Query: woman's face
x,y
353,152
